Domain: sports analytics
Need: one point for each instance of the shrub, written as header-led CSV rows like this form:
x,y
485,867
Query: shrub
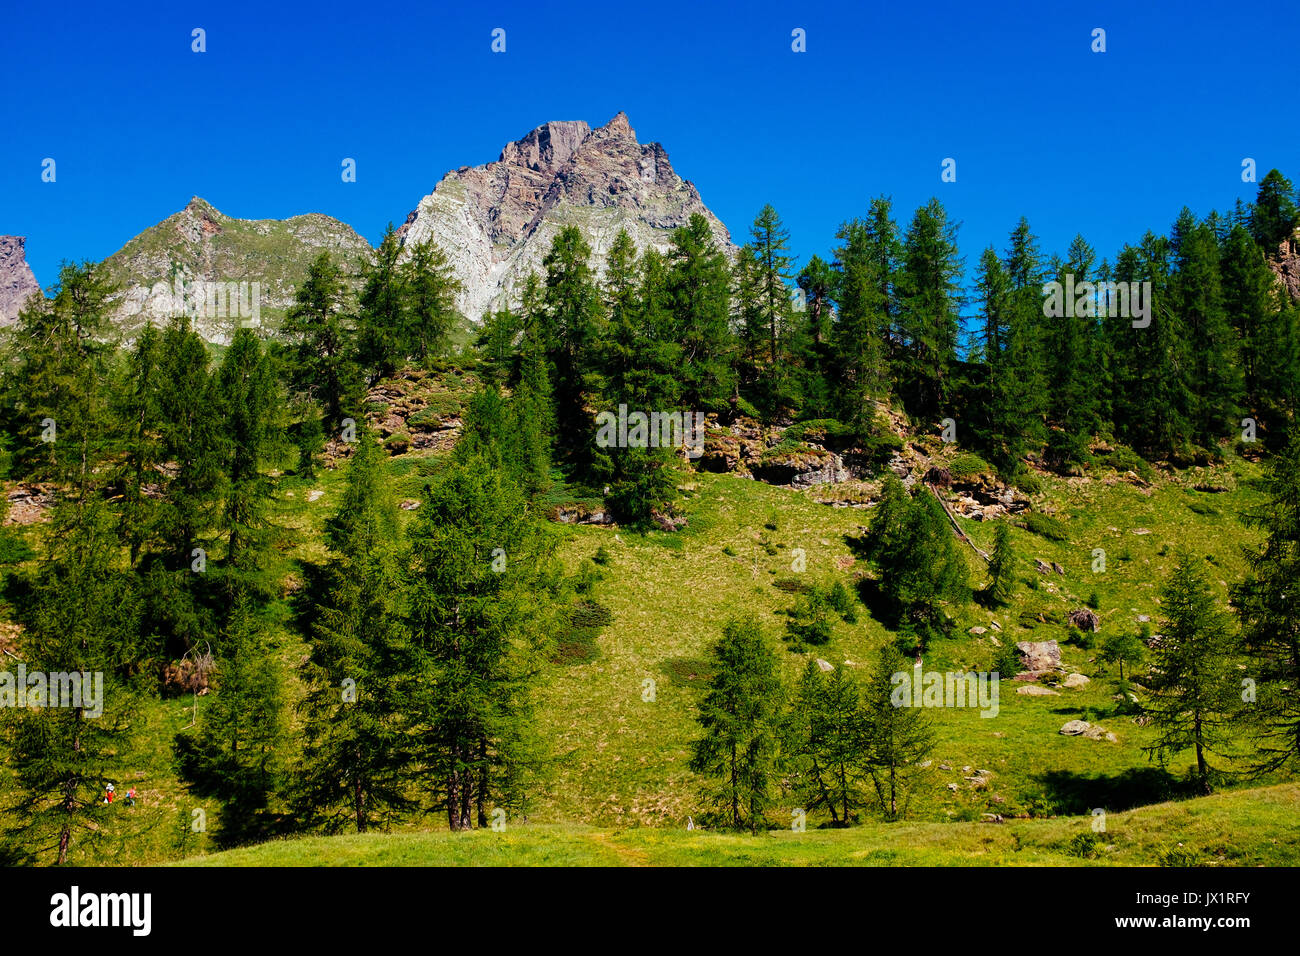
x,y
841,600
1006,661
967,465
1083,846
1046,527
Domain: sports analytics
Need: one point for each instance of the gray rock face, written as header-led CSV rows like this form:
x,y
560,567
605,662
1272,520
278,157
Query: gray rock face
x,y
17,283
1040,656
496,222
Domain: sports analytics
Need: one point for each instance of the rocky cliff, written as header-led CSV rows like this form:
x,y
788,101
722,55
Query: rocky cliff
x,y
496,222
1286,265
201,257
17,283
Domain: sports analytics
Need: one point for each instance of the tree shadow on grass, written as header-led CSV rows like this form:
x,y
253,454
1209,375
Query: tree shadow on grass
x,y
1074,793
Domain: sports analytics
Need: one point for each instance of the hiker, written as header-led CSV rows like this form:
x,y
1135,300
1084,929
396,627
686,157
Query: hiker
x,y
130,797
108,794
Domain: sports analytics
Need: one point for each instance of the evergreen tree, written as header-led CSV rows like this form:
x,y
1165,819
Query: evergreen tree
x,y
1215,380
929,311
1019,385
251,426
573,317
383,320
63,415
866,267
910,542
1072,364
141,424
1002,566
1275,214
321,350
236,754
356,754
479,621
829,740
430,287
898,739
190,421
698,294
739,716
81,618
770,241
1194,693
1270,616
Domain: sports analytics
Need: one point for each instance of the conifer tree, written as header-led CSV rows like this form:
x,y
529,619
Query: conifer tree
x,y
479,621
739,716
63,411
929,311
698,294
1275,213
910,542
139,415
252,433
1072,363
236,752
190,422
356,754
430,286
866,266
383,317
829,741
1194,690
1002,566
770,243
321,354
898,738
1270,615
81,618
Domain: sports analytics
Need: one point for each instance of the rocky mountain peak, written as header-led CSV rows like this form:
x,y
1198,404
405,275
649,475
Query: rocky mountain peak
x,y
496,221
17,283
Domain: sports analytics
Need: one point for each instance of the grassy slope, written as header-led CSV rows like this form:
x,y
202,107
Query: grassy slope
x,y
1245,828
620,761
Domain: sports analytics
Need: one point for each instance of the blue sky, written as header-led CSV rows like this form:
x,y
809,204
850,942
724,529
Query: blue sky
x,y
1104,144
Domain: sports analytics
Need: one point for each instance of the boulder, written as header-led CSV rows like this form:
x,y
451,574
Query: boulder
x,y
1081,728
1040,656
1077,680
1036,690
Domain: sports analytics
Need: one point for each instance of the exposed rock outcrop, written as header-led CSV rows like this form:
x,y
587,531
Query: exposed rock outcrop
x,y
17,283
1287,265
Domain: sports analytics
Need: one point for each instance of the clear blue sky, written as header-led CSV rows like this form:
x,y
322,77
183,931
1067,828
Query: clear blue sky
x,y
1108,144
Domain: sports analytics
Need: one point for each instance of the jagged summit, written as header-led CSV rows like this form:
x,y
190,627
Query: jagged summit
x,y
497,221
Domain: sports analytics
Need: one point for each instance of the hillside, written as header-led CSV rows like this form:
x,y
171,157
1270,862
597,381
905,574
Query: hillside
x,y
620,762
